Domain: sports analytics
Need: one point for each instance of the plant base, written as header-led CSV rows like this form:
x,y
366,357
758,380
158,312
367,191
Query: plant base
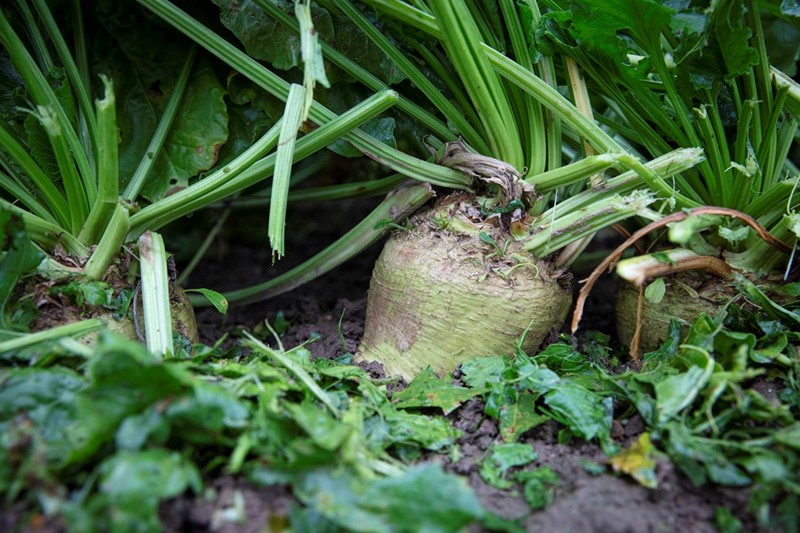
x,y
687,295
440,296
183,319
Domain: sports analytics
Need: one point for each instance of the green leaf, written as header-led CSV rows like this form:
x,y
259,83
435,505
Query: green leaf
x,y
734,36
197,134
324,430
519,416
19,258
87,293
146,475
46,396
494,467
133,483
725,521
381,128
438,501
219,301
655,291
259,34
124,378
206,413
136,430
675,393
28,389
581,410
144,62
394,426
479,372
563,358
540,486
428,390
601,24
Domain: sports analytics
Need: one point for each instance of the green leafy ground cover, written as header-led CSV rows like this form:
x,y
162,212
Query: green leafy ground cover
x,y
102,438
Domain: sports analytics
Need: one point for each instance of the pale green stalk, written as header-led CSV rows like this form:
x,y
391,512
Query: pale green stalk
x,y
42,95
358,72
198,194
81,55
73,184
110,243
38,43
320,194
761,257
431,92
567,112
28,340
668,165
76,80
55,201
781,80
107,166
462,42
24,197
536,143
155,294
267,80
576,172
555,233
293,117
453,84
219,186
46,233
635,269
408,15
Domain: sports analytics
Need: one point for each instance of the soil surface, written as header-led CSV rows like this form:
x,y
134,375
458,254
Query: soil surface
x,y
331,309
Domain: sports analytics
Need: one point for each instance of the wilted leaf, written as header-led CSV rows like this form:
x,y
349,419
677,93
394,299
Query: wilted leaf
x,y
44,397
147,475
638,461
133,483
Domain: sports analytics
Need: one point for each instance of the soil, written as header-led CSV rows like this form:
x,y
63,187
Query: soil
x,y
332,308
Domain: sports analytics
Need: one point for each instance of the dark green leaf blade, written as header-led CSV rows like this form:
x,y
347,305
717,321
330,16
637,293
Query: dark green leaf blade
x,y
428,390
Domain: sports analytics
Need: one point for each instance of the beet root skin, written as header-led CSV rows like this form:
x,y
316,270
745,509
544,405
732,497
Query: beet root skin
x,y
439,297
